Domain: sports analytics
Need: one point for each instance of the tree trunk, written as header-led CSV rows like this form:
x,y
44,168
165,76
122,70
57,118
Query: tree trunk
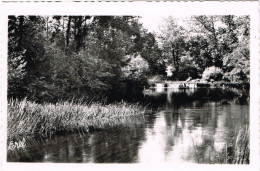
x,y
68,32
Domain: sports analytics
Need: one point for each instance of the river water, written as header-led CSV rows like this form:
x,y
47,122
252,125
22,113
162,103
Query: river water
x,y
189,126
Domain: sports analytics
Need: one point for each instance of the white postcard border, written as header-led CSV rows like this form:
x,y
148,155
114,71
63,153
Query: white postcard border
x,y
136,8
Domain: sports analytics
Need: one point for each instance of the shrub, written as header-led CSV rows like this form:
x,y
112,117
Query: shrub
x,y
136,69
212,72
236,75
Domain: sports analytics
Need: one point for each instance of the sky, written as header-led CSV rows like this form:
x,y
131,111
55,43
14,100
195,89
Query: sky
x,y
151,22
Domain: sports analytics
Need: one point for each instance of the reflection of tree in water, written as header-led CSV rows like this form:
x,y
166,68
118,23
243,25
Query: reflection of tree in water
x,y
184,97
205,133
174,123
117,146
202,128
30,153
197,131
150,119
206,130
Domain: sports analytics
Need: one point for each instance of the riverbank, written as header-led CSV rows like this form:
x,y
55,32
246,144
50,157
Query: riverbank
x,y
27,118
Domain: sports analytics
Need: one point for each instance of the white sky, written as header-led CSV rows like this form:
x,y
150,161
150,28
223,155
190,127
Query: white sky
x,y
151,22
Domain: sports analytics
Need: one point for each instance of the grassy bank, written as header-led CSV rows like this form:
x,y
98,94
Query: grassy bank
x,y
27,118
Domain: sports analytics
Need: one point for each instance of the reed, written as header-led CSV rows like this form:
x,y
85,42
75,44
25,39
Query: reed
x,y
26,118
241,147
236,151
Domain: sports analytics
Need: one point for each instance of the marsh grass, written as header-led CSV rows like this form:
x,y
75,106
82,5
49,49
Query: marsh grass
x,y
236,151
27,118
242,147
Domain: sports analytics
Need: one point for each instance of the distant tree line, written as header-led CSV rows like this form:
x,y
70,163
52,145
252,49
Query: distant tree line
x,y
207,43
63,57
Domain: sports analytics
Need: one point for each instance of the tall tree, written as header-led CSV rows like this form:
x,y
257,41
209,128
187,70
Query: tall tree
x,y
173,38
237,63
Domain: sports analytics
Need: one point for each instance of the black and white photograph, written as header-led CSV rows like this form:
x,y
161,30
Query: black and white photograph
x,y
154,87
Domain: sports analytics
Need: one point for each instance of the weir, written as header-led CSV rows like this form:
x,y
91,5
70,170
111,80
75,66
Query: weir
x,y
178,84
169,85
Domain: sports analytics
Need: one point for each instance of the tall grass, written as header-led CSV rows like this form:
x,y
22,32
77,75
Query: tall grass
x,y
236,151
242,147
27,118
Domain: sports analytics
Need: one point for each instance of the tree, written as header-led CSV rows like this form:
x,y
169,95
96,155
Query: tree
x,y
237,63
209,26
63,57
173,41
199,52
218,42
136,69
25,53
152,54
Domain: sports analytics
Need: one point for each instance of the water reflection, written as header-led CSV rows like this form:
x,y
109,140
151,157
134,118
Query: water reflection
x,y
192,127
192,131
100,147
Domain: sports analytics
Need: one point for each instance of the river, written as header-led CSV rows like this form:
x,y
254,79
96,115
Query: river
x,y
181,126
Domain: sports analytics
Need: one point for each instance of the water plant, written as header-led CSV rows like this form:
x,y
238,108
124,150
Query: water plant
x,y
242,147
29,118
235,151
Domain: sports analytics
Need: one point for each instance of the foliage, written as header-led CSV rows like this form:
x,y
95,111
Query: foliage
x,y
237,63
136,69
152,54
173,39
65,57
213,72
220,41
155,78
16,73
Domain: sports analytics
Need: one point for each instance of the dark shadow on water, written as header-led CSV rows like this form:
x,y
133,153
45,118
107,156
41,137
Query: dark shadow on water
x,y
113,146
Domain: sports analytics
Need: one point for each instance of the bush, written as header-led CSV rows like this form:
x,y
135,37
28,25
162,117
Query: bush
x,y
212,72
136,70
236,75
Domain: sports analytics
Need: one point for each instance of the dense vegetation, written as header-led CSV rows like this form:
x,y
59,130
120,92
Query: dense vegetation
x,y
30,119
53,58
207,41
